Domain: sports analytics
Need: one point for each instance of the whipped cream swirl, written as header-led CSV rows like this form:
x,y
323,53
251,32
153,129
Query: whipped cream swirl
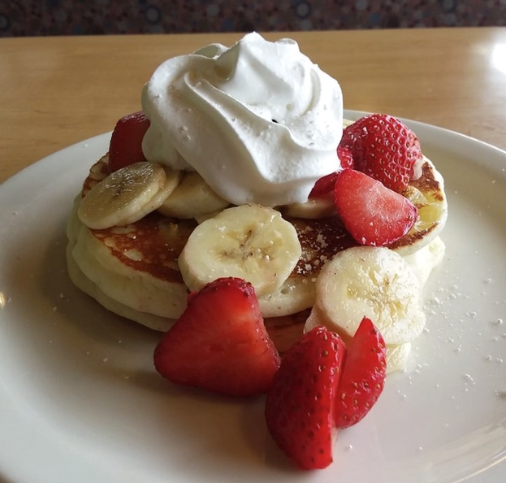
x,y
259,121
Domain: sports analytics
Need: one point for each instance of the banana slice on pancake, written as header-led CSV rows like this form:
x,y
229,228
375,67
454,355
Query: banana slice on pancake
x,y
193,198
375,282
428,195
311,209
127,195
252,242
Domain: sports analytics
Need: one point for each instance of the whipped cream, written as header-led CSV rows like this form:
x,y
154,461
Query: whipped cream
x,y
259,121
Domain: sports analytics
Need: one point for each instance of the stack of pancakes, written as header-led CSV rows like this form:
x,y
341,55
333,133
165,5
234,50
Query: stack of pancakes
x,y
133,271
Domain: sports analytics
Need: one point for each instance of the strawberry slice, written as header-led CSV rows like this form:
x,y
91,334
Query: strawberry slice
x,y
300,404
220,342
384,148
363,376
325,185
126,141
372,213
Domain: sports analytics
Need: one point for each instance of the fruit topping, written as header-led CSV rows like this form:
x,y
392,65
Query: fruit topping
x,y
363,376
127,195
325,186
126,140
252,242
220,343
300,404
372,213
374,282
345,156
384,148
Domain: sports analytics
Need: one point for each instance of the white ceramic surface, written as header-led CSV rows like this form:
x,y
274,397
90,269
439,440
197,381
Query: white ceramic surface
x,y
80,401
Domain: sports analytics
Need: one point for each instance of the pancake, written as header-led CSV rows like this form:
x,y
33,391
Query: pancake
x,y
133,270
428,195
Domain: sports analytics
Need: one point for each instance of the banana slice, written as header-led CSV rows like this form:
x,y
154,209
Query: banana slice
x,y
397,357
172,180
374,282
313,208
428,195
248,241
192,199
397,354
98,172
127,195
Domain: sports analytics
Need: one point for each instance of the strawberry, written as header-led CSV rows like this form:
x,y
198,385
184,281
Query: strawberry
x,y
384,148
372,213
325,185
126,141
363,375
300,405
345,156
220,342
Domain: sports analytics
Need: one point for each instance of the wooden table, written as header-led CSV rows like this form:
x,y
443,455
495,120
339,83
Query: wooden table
x,y
58,91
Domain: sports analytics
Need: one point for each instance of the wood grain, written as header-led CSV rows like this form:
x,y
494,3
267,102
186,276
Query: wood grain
x,y
56,91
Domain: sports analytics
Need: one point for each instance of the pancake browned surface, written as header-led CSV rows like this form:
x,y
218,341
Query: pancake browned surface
x,y
427,194
134,268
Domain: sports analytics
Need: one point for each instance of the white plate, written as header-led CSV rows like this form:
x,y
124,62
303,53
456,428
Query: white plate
x,y
80,401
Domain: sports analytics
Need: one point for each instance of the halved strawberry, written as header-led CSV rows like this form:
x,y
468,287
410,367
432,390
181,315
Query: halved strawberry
x,y
384,148
126,141
220,342
363,375
372,213
325,185
300,404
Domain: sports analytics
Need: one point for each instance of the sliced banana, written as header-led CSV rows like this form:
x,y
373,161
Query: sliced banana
x,y
98,172
192,199
397,357
374,282
127,195
397,354
428,195
172,179
248,241
313,208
